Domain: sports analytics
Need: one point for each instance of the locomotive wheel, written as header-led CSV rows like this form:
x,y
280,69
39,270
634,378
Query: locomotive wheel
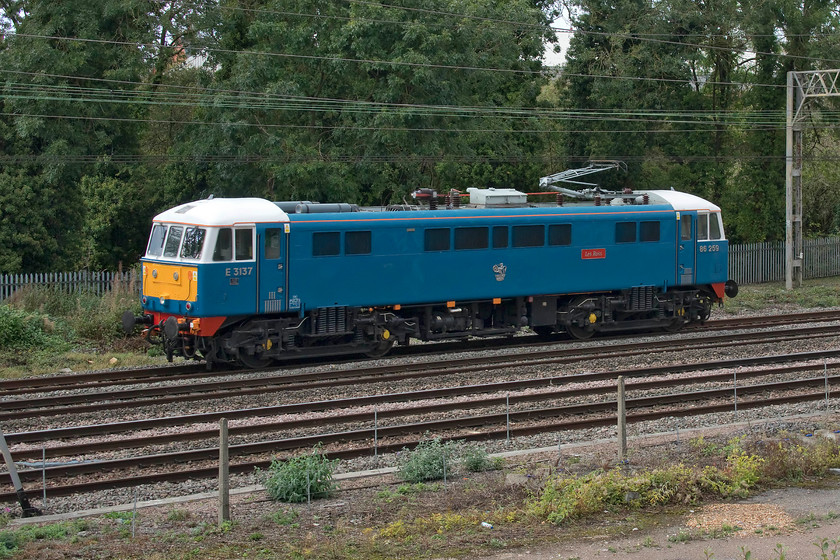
x,y
580,333
674,325
382,348
254,361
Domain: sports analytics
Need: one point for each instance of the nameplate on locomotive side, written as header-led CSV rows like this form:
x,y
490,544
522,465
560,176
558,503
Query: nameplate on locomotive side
x,y
593,253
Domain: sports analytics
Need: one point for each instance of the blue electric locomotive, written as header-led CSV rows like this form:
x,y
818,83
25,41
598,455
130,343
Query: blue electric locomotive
x,y
249,281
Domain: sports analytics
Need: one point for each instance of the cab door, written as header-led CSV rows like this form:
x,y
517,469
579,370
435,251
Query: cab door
x,y
273,269
686,244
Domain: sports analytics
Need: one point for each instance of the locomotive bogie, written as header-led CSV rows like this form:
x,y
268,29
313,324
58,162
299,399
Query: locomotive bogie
x,y
242,281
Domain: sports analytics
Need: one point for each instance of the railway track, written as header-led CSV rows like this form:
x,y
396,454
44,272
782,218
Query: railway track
x,y
114,463
478,423
185,372
76,403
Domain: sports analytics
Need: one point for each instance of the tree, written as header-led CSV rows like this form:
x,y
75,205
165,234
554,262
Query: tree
x,y
366,103
52,127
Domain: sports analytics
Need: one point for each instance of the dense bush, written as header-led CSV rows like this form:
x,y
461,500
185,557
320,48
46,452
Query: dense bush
x,y
428,461
20,330
87,315
299,478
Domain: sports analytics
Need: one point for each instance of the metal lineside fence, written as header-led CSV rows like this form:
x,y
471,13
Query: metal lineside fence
x,y
70,282
757,263
750,263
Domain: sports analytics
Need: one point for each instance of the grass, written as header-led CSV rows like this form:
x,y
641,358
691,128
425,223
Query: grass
x,y
817,293
12,540
44,331
428,520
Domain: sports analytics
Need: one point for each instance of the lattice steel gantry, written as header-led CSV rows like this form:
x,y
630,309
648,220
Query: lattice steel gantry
x,y
801,86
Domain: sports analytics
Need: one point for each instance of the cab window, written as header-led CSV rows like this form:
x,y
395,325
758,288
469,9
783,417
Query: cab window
x,y
702,227
244,244
155,247
272,243
173,241
685,227
193,243
715,229
224,245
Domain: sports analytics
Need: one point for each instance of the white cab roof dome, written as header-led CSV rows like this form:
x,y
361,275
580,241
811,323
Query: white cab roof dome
x,y
224,212
681,201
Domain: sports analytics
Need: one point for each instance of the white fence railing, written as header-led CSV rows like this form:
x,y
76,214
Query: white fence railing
x,y
755,263
80,281
751,263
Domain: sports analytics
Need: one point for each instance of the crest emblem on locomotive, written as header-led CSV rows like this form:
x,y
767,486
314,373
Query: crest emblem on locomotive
x,y
500,270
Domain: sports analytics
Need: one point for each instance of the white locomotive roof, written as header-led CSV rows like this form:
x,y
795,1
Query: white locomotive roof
x,y
681,201
224,212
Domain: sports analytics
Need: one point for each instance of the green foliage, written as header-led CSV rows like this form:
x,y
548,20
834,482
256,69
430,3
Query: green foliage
x,y
300,478
428,461
11,540
286,517
569,497
21,330
477,459
178,515
83,315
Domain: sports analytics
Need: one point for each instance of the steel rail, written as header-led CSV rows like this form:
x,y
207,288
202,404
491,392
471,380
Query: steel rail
x,y
298,443
351,417
23,408
11,387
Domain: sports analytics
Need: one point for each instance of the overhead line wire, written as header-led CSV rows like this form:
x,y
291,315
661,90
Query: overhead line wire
x,y
41,94
543,72
418,129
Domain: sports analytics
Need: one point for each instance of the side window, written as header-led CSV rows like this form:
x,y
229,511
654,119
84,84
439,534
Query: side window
x,y
685,227
272,243
702,227
715,230
357,243
437,239
528,236
625,232
500,237
471,238
326,243
244,244
193,243
155,247
649,231
173,241
560,234
224,245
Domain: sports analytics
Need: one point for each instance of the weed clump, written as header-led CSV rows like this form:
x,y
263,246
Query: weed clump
x,y
430,460
301,478
569,497
477,459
